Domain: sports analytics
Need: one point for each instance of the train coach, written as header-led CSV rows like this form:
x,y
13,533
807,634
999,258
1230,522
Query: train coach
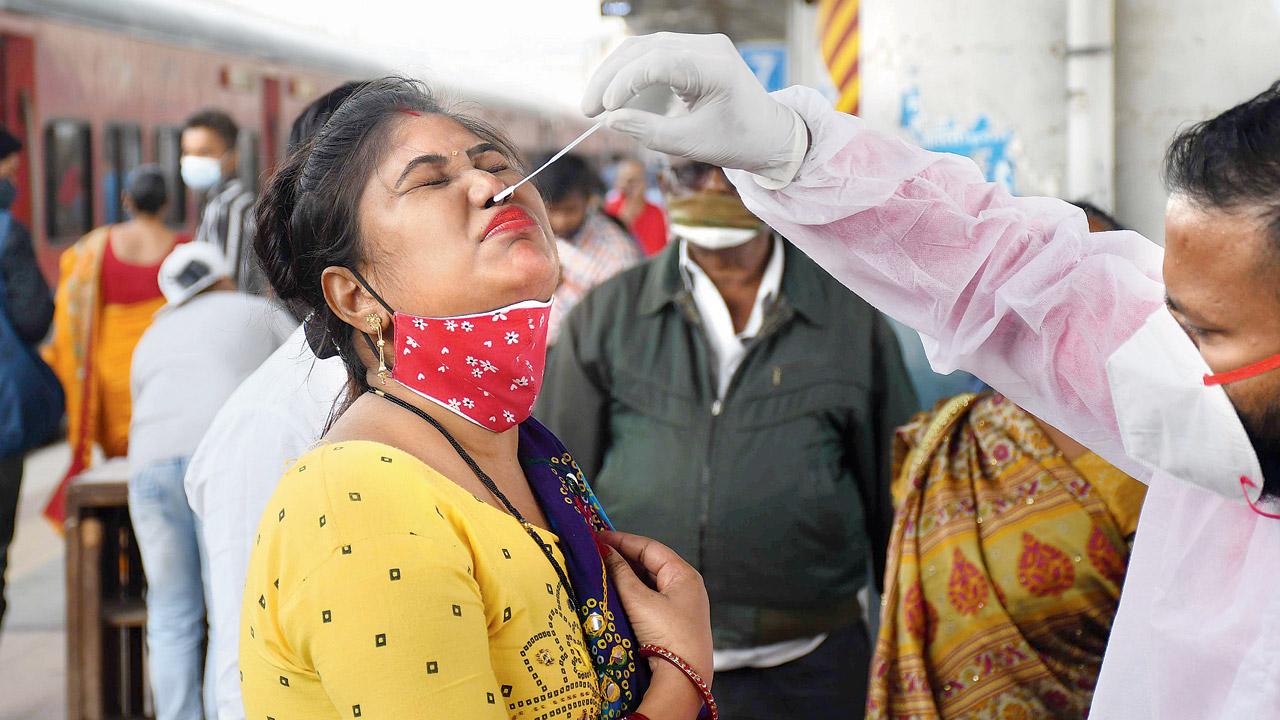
x,y
96,88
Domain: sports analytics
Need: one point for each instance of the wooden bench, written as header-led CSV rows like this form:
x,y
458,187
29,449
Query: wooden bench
x,y
106,613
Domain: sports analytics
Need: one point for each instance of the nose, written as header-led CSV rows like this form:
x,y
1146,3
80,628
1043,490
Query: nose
x,y
716,181
484,185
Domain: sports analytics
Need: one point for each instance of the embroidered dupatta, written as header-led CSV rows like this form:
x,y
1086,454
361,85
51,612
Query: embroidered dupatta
x,y
576,516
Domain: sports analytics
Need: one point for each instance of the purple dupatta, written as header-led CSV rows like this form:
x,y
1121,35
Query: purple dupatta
x,y
576,516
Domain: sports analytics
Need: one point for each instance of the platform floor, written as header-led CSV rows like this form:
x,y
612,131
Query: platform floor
x,y
33,663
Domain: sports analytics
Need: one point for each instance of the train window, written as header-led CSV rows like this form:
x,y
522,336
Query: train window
x,y
249,164
168,147
121,153
68,162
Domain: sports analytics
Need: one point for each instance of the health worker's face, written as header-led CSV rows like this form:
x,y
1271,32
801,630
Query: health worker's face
x,y
432,247
1220,272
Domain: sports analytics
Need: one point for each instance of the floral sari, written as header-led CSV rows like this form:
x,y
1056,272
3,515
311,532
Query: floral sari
x,y
1004,569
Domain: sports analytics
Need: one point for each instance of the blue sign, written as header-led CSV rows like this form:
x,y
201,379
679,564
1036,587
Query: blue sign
x,y
768,61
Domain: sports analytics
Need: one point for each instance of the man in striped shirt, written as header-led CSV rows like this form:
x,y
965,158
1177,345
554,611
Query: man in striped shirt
x,y
209,165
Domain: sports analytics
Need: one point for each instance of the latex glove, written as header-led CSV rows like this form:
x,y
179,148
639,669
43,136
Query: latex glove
x,y
731,122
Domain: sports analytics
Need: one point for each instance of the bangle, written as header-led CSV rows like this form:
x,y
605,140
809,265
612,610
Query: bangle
x,y
713,713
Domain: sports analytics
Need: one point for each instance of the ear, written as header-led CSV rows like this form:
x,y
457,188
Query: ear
x,y
350,301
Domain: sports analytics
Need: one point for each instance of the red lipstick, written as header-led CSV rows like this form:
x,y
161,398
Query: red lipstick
x,y
508,219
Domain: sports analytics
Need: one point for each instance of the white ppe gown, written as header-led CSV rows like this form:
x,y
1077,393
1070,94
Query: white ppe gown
x,y
1071,326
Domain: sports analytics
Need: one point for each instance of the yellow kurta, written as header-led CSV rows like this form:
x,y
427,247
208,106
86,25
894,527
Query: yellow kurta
x,y
378,588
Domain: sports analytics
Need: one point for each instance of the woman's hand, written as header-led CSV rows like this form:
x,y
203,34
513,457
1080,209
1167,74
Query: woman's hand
x,y
664,597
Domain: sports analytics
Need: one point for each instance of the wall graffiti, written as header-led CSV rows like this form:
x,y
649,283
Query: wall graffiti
x,y
988,148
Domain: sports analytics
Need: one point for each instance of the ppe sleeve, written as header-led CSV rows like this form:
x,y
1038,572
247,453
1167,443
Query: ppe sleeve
x,y
1014,290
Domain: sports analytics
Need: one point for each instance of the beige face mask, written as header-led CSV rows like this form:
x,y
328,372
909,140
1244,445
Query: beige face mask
x,y
713,220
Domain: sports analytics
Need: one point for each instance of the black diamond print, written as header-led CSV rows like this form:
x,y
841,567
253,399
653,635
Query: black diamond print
x,y
281,513
506,615
506,691
506,553
386,459
355,496
491,698
433,667
284,681
346,549
277,583
550,591
301,468
321,521
380,640
262,600
355,711
326,616
439,513
251,631
395,573
457,611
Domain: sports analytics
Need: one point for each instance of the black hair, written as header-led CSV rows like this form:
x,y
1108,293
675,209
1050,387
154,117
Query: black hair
x,y
1232,161
146,188
8,143
570,175
308,216
314,116
217,121
1094,212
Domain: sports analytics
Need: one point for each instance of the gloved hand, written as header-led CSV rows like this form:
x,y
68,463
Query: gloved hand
x,y
731,122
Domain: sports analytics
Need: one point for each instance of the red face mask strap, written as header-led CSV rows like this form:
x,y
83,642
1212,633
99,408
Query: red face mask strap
x,y
1244,373
1245,485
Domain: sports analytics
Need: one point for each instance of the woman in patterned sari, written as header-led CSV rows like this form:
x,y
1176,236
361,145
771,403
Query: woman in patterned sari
x,y
1005,564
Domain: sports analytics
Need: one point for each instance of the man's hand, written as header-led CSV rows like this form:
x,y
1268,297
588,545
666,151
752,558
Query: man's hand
x,y
731,121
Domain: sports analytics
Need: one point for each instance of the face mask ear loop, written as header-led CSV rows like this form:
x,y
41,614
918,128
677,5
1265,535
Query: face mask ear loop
x,y
1245,485
376,323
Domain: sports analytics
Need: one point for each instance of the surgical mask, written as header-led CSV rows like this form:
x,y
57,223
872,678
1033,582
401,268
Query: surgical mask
x,y
712,220
1173,414
486,367
201,173
8,192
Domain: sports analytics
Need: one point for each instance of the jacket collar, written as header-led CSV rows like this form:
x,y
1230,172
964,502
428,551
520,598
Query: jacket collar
x,y
665,286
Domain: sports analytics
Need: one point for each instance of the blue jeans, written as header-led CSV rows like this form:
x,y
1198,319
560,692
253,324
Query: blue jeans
x,y
172,558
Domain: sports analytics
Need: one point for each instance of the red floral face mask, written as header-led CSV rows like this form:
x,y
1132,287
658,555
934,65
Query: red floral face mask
x,y
486,367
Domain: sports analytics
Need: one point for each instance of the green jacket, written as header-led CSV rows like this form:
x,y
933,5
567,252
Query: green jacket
x,y
779,495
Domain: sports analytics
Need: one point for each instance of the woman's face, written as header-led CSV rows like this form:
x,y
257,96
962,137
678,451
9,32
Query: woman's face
x,y
433,248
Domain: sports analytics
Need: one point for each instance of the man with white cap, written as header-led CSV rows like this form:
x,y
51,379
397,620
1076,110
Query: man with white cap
x,y
1162,361
202,344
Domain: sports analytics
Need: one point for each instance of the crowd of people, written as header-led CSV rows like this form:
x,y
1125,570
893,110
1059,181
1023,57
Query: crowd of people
x,y
327,401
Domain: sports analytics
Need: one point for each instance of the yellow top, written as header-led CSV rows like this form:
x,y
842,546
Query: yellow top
x,y
378,588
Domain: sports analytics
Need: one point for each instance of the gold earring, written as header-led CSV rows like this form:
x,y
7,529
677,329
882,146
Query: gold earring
x,y
375,322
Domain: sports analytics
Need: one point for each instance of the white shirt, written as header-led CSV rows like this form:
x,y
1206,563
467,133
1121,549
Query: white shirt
x,y
188,363
729,349
1072,327
276,415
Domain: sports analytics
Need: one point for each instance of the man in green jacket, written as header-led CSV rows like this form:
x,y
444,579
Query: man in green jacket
x,y
732,400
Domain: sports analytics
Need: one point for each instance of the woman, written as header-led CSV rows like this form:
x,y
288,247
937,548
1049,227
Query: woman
x,y
107,293
1008,551
439,555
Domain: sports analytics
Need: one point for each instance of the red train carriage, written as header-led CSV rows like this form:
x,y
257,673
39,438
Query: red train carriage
x,y
95,88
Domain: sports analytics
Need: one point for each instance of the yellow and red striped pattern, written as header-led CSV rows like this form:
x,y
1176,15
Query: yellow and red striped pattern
x,y
838,31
